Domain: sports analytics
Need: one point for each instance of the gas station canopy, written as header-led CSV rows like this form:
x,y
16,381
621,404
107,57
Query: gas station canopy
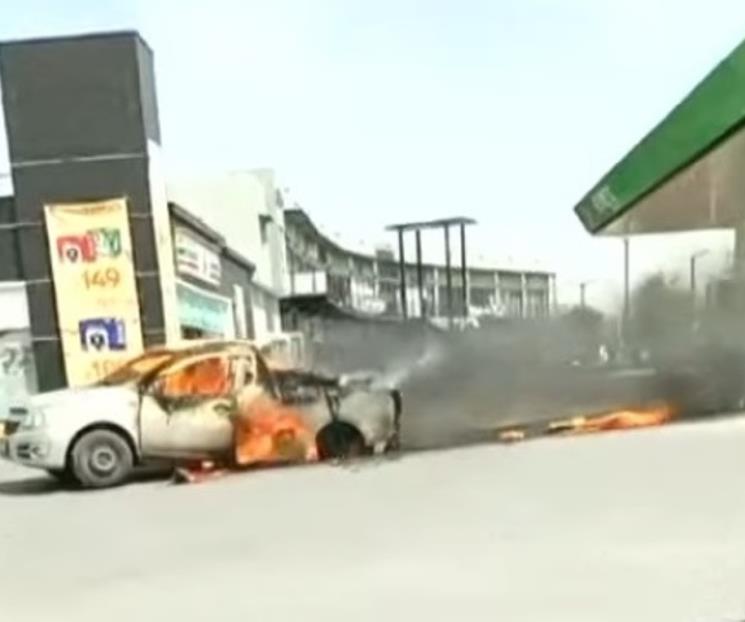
x,y
688,173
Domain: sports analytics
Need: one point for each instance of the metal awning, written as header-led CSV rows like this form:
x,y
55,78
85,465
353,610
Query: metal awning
x,y
686,174
322,306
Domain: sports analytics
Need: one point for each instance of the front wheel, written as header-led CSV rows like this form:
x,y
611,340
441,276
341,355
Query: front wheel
x,y
63,476
101,459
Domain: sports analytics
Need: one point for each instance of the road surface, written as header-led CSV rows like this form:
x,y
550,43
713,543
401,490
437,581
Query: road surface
x,y
646,525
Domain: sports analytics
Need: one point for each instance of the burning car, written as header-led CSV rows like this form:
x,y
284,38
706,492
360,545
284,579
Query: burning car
x,y
223,402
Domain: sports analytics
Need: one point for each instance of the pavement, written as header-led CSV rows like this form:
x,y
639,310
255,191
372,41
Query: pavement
x,y
643,525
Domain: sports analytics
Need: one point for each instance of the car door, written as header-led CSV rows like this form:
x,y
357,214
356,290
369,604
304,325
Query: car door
x,y
186,410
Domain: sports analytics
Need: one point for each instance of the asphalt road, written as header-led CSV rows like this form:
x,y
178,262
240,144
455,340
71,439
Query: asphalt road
x,y
646,525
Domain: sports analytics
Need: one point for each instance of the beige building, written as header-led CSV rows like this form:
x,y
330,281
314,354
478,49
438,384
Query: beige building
x,y
371,284
245,207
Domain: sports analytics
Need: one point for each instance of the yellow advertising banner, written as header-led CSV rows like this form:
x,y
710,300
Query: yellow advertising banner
x,y
90,248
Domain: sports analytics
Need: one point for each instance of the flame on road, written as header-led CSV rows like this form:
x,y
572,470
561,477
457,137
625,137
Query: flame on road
x,y
623,419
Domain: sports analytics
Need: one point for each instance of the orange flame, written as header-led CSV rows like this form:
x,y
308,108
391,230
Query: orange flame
x,y
267,431
624,419
627,419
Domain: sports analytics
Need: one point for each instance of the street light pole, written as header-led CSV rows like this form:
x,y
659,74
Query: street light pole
x,y
626,289
693,258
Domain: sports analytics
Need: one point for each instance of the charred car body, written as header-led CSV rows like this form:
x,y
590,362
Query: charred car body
x,y
224,402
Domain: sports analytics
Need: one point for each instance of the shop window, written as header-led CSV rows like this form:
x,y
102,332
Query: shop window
x,y
189,332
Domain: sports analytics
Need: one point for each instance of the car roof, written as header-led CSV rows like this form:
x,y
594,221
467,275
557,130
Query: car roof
x,y
190,348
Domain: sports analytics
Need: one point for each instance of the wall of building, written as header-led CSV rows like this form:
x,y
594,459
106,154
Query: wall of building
x,y
371,284
244,207
17,368
214,283
80,134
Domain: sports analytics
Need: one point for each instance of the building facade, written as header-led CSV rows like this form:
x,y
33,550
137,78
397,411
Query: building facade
x,y
371,284
97,263
245,207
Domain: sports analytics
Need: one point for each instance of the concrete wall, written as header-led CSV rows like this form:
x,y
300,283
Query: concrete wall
x,y
17,368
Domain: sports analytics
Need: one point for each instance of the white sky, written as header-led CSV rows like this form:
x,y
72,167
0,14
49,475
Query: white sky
x,y
380,111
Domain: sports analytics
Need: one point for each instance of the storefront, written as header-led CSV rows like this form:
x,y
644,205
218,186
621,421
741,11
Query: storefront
x,y
204,315
213,282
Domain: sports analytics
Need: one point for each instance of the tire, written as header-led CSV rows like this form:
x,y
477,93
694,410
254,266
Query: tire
x,y
63,476
101,459
340,440
394,443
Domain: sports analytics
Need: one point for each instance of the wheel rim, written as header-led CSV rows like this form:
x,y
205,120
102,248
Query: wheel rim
x,y
103,460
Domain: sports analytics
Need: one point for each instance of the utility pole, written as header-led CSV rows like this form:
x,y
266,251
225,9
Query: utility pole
x,y
445,225
692,260
626,291
402,274
464,269
582,290
420,274
448,277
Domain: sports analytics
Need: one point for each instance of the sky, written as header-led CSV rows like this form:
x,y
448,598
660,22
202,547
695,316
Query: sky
x,y
382,111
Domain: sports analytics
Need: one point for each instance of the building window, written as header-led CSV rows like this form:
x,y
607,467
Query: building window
x,y
265,222
481,297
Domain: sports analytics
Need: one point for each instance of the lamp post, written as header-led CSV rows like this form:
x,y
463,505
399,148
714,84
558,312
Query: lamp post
x,y
583,293
626,290
692,260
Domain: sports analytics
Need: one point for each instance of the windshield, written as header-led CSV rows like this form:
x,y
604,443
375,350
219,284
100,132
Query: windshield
x,y
137,367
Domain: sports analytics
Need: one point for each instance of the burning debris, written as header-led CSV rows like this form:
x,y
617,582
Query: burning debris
x,y
623,419
627,419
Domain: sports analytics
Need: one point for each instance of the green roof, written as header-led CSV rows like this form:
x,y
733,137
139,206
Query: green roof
x,y
712,111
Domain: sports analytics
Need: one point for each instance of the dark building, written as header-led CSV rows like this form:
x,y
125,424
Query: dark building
x,y
82,126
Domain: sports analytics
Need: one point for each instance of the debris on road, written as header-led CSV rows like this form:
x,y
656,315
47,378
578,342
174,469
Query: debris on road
x,y
512,436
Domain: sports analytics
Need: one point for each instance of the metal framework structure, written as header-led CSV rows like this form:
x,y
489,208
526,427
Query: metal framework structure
x,y
417,227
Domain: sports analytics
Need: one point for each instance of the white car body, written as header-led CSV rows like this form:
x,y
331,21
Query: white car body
x,y
158,425
57,418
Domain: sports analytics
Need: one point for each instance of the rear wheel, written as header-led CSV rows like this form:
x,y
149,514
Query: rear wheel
x,y
101,458
340,440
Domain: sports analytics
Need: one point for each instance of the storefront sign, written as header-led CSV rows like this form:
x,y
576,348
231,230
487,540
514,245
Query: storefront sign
x,y
205,311
195,259
94,282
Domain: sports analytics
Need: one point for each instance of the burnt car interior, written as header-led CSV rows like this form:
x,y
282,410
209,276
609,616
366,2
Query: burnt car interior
x,y
193,383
